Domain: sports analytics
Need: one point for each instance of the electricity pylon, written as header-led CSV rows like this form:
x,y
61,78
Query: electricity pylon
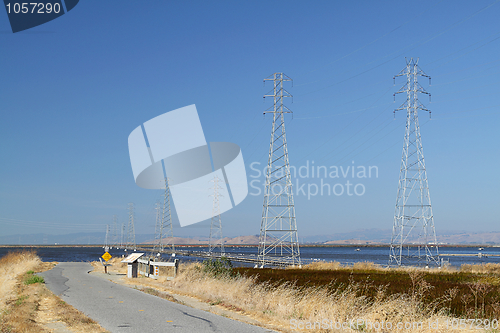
x,y
215,241
164,224
413,239
121,237
278,241
157,247
114,237
131,228
106,239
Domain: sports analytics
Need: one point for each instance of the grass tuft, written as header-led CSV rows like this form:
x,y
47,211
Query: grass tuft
x,y
34,279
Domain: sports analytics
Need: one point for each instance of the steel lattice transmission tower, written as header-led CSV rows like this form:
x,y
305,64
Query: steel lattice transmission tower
x,y
106,239
278,241
122,233
164,228
114,241
216,241
131,228
413,239
157,247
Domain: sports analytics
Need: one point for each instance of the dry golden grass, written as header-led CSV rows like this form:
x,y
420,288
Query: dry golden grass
x,y
488,268
279,304
30,308
370,266
11,266
323,265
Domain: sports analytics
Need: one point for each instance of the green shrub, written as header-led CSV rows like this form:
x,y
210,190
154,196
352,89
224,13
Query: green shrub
x,y
34,279
218,267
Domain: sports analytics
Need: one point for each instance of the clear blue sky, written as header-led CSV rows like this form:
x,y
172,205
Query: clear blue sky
x,y
73,89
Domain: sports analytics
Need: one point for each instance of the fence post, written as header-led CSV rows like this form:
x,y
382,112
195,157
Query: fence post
x,y
176,267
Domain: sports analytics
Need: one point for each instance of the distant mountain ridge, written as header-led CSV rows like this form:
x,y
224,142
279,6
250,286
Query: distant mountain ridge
x,y
242,240
362,236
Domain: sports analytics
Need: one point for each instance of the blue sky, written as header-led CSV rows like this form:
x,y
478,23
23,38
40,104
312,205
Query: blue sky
x,y
73,89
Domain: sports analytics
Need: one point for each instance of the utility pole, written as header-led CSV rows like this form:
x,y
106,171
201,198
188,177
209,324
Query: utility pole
x,y
278,241
216,240
413,239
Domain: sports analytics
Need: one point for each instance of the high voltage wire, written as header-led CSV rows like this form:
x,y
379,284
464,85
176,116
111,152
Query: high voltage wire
x,y
468,89
352,123
364,142
379,125
462,99
369,140
464,69
44,225
449,55
429,39
470,116
467,78
10,220
375,40
419,43
469,110
343,113
397,142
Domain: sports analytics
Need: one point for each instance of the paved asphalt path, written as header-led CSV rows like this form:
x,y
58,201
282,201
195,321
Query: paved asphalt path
x,y
122,309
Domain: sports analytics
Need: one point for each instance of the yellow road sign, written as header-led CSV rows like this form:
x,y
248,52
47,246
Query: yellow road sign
x,y
106,256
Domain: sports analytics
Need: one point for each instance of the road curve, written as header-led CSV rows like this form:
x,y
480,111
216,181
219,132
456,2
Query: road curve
x,y
122,309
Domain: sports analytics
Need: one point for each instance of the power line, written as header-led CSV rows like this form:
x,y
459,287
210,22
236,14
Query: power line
x,y
375,40
418,43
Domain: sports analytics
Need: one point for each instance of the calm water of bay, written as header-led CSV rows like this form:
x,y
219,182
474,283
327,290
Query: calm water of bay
x,y
345,255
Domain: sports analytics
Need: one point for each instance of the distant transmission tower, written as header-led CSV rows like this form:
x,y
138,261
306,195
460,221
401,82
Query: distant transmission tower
x,y
114,237
215,240
278,241
413,239
131,228
157,242
106,239
164,224
122,234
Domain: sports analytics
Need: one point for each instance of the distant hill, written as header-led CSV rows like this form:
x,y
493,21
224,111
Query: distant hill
x,y
243,240
361,236
486,238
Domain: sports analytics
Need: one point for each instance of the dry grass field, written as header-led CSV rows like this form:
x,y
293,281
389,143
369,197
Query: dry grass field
x,y
364,296
28,306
